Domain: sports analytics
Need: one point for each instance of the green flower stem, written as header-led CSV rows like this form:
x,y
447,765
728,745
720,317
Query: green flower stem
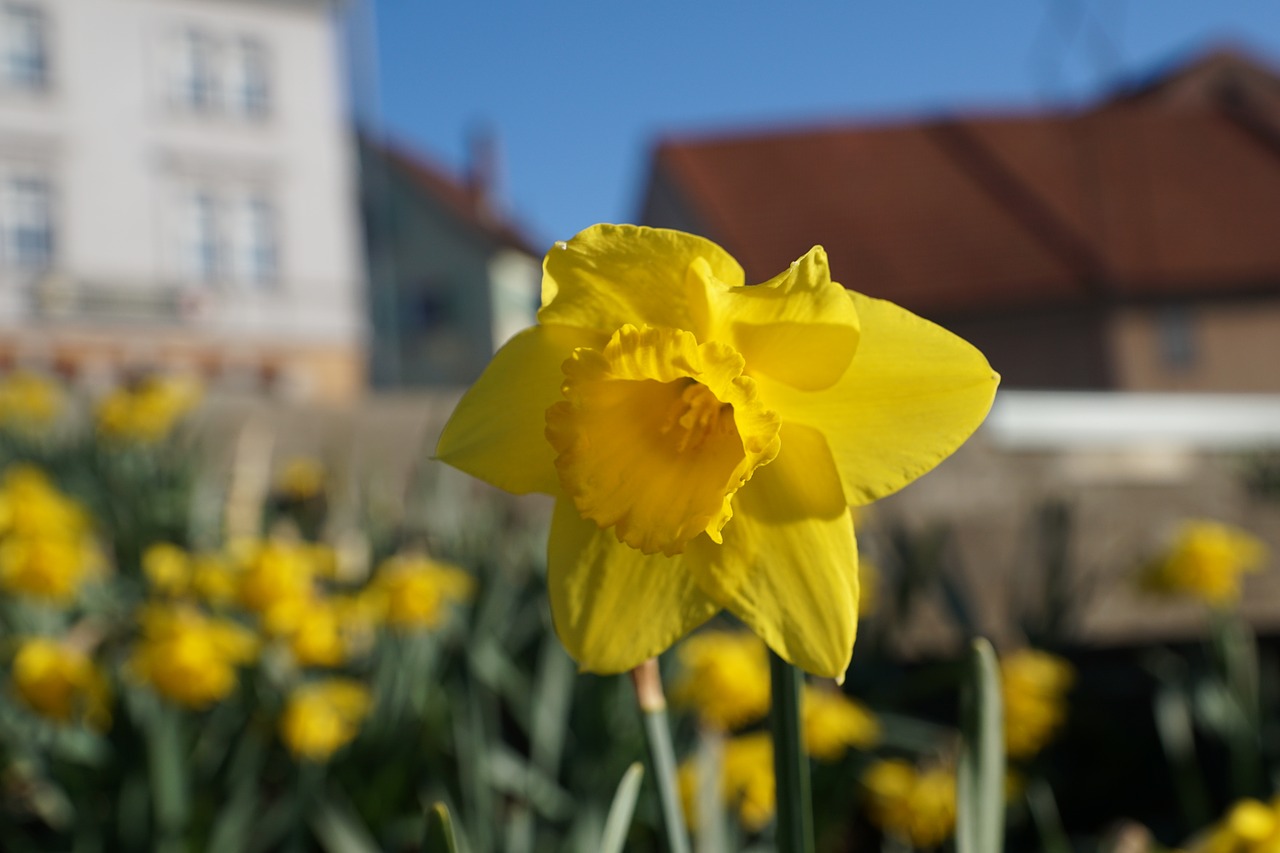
x,y
662,757
790,764
980,776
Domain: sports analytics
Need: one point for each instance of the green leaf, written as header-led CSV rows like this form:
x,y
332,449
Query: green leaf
x,y
440,836
624,805
980,776
339,829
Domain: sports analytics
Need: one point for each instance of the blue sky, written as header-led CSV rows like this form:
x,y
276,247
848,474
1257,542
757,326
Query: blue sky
x,y
578,92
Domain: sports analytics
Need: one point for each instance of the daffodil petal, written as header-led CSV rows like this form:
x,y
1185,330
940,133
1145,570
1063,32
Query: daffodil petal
x,y
788,567
611,275
497,431
614,607
912,394
799,327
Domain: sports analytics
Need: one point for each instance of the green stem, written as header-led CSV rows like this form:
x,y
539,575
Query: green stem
x,y
662,756
980,776
790,764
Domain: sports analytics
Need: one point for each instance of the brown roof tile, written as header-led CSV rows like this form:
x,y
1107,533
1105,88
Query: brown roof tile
x,y
1129,200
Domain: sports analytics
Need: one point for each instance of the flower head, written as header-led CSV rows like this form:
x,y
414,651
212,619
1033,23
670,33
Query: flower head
x,y
302,478
167,568
746,780
29,401
1249,826
148,410
724,677
916,806
47,567
188,657
322,717
413,591
704,439
277,582
60,682
1206,561
832,723
1033,686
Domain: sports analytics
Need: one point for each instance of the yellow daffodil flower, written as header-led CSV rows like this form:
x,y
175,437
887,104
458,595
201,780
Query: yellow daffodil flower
x,y
215,579
724,677
746,781
322,717
50,568
167,568
414,591
31,506
188,657
1250,826
277,583
147,411
1033,686
319,636
704,439
1206,561
918,807
29,401
301,479
832,723
60,682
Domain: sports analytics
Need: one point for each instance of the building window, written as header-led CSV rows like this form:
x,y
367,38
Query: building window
x,y
255,241
250,72
217,73
1177,337
196,82
24,40
27,222
203,249
230,236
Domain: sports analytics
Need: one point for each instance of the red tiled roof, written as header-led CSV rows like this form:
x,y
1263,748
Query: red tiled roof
x,y
1129,200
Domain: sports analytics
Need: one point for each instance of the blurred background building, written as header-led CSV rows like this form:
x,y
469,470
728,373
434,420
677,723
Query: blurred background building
x,y
451,277
1129,245
177,190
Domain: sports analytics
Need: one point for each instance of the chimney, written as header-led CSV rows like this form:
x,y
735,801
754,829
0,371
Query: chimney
x,y
484,173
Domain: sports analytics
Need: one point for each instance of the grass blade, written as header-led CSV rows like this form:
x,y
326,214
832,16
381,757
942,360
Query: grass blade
x,y
440,835
980,781
624,805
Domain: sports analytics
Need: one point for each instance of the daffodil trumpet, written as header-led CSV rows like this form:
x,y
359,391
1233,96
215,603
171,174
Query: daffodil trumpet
x,y
704,439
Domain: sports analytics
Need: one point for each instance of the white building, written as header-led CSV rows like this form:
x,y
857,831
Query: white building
x,y
177,188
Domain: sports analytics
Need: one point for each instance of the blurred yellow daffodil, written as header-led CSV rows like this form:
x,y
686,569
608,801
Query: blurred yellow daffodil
x,y
167,568
277,581
302,478
29,400
832,723
724,676
147,410
915,806
704,439
60,682
322,717
189,657
1206,560
413,591
1250,826
746,781
1033,686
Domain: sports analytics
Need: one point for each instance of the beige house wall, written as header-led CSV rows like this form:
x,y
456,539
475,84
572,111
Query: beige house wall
x,y
1231,347
98,358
